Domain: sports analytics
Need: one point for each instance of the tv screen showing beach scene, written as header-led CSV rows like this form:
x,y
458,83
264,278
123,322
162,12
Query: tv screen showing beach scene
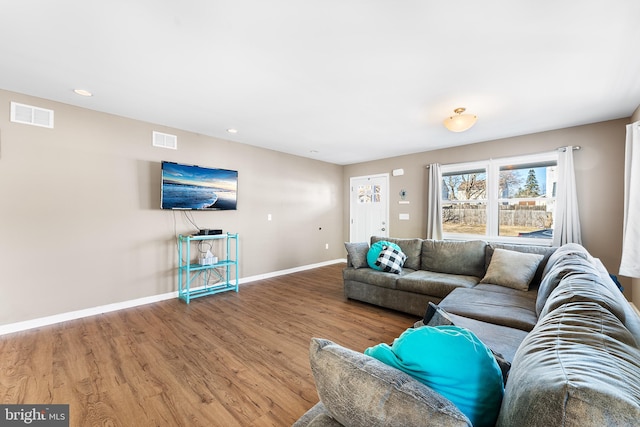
x,y
198,188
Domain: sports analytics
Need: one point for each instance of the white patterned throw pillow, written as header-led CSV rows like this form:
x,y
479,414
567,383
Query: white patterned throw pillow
x,y
391,260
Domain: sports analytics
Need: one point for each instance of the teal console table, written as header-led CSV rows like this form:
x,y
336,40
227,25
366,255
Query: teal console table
x,y
221,270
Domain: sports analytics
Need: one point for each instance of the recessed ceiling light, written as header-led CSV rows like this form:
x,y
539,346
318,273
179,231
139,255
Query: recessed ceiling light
x,y
82,92
232,130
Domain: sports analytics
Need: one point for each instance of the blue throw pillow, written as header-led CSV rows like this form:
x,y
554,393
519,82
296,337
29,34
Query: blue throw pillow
x,y
374,253
452,361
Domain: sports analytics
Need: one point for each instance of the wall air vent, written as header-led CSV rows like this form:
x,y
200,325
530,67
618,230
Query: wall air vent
x,y
165,140
29,115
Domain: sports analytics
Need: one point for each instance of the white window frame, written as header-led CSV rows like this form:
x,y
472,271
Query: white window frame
x,y
492,168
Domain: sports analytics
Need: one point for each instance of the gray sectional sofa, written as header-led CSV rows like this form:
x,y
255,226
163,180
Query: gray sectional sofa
x,y
432,270
571,337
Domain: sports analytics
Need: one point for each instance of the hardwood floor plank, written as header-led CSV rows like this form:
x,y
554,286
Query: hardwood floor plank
x,y
232,359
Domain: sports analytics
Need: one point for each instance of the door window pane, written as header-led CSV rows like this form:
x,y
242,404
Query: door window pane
x,y
369,193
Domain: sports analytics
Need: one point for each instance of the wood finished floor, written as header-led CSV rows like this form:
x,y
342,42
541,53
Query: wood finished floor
x,y
232,359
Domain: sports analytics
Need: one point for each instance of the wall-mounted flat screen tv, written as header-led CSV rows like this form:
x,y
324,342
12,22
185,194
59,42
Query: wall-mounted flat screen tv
x,y
198,188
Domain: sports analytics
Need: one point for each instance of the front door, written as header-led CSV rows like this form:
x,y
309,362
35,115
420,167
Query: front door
x,y
369,207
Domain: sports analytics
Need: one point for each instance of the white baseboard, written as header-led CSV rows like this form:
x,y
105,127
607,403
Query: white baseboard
x,y
289,271
72,315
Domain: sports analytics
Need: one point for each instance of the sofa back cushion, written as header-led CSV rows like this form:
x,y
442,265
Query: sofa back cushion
x,y
454,257
410,247
579,367
556,270
588,287
570,250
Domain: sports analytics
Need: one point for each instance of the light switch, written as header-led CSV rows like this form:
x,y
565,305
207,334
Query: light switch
x,y
403,217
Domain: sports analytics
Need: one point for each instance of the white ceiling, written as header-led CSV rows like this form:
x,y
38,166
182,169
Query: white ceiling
x,y
342,81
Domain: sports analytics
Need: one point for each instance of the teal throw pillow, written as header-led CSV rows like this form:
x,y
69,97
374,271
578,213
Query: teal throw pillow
x,y
452,361
375,250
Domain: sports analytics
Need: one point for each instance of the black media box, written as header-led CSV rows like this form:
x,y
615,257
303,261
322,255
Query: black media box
x,y
208,232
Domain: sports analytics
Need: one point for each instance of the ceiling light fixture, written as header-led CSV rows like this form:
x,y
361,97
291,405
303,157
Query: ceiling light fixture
x,y
232,130
82,92
460,122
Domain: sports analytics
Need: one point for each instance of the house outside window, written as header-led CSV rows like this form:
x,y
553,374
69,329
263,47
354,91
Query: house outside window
x,y
508,200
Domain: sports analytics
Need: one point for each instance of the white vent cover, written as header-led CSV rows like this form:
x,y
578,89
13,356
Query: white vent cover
x,y
165,140
30,115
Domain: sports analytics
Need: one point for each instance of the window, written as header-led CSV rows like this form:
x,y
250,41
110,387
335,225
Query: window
x,y
511,199
464,201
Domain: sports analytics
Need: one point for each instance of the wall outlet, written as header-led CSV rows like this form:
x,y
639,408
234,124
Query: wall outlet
x,y
269,217
326,246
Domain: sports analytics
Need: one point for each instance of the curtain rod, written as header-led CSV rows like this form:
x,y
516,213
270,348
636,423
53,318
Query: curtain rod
x,y
563,149
575,148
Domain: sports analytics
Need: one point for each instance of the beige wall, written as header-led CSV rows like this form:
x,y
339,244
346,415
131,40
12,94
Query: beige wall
x,y
599,174
81,225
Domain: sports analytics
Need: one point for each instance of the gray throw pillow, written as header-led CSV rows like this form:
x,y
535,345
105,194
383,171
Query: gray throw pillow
x,y
357,253
512,269
359,390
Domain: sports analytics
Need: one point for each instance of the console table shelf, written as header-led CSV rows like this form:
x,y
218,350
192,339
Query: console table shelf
x,y
221,270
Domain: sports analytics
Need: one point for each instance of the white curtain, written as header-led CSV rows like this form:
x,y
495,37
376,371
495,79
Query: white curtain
x,y
567,222
434,215
630,263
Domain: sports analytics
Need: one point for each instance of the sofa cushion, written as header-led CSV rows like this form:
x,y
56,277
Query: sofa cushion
x,y
545,251
374,277
357,253
531,293
452,361
412,248
454,257
395,299
359,390
512,269
514,311
501,339
579,367
432,283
